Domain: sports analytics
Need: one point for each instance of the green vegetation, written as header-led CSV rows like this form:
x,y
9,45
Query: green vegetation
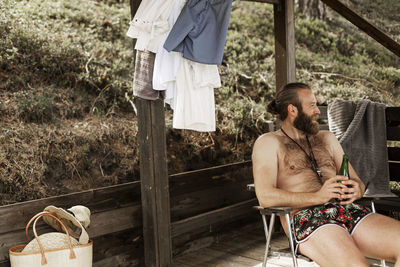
x,y
66,70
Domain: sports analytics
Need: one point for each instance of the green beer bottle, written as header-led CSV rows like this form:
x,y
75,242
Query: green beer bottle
x,y
344,169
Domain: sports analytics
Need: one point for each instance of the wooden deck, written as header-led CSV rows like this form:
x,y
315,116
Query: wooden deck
x,y
245,248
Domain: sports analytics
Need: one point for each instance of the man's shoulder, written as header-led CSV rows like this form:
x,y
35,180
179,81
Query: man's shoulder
x,y
328,138
269,138
326,134
266,145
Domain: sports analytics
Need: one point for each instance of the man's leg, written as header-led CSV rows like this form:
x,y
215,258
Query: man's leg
x,y
331,245
378,236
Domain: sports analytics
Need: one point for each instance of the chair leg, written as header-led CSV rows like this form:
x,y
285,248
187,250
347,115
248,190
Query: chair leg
x,y
291,243
268,234
383,263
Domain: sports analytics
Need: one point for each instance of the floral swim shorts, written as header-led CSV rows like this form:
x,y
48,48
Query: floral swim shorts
x,y
307,221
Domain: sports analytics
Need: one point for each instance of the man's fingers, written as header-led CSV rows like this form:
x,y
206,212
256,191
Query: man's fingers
x,y
339,186
348,182
347,201
334,179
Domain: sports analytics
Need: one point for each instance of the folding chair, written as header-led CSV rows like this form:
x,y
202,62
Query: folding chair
x,y
285,211
273,212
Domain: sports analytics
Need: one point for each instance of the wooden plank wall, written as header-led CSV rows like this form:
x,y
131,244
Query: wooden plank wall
x,y
204,203
393,134
115,210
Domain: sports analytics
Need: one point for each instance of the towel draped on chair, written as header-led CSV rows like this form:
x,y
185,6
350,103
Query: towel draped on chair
x,y
361,130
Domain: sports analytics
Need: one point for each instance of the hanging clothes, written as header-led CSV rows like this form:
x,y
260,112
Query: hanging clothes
x,y
166,63
195,106
150,23
143,76
200,31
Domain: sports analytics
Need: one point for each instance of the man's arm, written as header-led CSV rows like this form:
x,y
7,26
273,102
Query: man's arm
x,y
357,187
265,172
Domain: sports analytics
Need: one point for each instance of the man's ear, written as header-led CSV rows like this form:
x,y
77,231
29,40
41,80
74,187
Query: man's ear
x,y
292,109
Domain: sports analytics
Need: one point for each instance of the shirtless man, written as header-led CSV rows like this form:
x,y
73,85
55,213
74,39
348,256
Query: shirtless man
x,y
296,166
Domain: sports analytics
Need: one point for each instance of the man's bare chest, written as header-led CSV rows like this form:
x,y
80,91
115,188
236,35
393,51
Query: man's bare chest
x,y
295,171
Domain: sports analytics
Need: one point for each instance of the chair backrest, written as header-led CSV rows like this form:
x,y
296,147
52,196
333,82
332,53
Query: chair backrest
x,y
393,137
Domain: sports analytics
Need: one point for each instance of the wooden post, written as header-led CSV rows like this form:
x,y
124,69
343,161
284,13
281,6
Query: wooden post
x,y
285,63
154,183
154,178
134,7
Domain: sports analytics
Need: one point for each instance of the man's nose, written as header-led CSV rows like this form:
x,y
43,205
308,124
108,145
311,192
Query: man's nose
x,y
317,111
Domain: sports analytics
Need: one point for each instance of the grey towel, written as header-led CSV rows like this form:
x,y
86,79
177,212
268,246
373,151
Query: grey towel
x,y
361,130
143,76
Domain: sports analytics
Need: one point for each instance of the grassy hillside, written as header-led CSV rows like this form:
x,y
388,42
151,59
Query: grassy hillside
x,y
66,68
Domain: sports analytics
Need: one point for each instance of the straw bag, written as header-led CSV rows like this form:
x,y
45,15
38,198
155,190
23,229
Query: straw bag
x,y
71,256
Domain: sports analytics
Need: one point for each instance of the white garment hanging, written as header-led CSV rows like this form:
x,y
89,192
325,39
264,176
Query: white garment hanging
x,y
195,106
166,63
150,24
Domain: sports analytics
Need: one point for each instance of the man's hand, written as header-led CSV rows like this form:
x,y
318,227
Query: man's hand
x,y
331,189
352,191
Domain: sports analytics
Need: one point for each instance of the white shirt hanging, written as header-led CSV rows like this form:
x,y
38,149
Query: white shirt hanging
x,y
195,104
150,24
167,63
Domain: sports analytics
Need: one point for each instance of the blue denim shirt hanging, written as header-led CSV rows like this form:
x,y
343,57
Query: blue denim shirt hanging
x,y
200,31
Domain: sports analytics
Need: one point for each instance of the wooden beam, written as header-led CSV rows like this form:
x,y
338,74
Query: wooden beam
x,y
154,183
380,36
134,7
265,1
285,63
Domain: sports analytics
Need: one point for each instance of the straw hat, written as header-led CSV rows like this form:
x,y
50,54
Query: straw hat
x,y
75,219
50,241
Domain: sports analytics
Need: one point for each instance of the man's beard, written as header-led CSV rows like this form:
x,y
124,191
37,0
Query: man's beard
x,y
307,124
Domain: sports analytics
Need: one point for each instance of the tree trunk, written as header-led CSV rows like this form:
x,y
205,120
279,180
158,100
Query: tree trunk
x,y
313,9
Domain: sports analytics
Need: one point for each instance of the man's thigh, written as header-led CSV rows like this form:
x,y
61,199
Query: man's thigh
x,y
331,245
378,236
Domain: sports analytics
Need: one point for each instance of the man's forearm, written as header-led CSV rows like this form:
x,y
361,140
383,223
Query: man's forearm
x,y
280,198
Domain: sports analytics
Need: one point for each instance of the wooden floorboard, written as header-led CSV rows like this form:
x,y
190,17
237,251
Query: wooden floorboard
x,y
213,258
245,247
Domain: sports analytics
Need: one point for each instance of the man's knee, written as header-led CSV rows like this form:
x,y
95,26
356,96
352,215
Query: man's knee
x,y
359,262
344,262
396,257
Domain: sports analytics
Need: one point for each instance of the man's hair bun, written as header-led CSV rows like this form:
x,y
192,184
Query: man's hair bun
x,y
272,107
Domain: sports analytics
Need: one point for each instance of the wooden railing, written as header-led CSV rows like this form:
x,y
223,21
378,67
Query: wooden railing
x,y
203,203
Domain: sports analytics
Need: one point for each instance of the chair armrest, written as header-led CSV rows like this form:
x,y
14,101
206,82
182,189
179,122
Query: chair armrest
x,y
250,187
372,199
379,196
280,211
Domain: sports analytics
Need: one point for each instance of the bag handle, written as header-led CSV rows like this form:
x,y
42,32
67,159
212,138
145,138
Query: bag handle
x,y
35,219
